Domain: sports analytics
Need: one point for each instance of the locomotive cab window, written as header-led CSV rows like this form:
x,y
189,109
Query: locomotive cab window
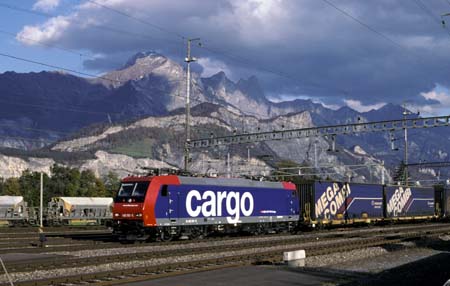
x,y
126,189
132,192
139,190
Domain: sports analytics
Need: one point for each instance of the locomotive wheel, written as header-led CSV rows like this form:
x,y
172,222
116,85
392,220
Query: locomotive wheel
x,y
197,235
165,236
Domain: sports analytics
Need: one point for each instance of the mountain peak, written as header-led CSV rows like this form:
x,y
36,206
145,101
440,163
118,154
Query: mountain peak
x,y
137,58
218,78
252,87
143,65
219,75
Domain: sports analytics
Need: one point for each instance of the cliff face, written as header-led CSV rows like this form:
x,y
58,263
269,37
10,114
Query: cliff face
x,y
162,139
13,166
138,113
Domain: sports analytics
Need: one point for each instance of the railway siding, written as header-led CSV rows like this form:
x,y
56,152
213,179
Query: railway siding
x,y
173,259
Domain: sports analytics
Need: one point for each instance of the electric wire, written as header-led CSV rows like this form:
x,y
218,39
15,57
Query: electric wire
x,y
427,11
235,58
368,27
138,19
432,15
96,26
47,45
57,67
39,106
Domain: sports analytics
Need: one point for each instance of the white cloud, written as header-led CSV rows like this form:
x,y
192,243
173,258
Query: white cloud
x,y
441,97
211,67
441,106
358,106
256,22
50,31
287,36
46,5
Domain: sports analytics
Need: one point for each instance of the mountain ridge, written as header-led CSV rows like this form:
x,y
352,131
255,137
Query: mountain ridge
x,y
153,86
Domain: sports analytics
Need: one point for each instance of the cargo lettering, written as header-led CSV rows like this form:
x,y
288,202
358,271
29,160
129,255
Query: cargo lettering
x,y
331,200
210,204
398,201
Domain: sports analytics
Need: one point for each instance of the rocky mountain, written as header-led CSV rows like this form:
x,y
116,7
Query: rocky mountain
x,y
137,111
155,141
40,108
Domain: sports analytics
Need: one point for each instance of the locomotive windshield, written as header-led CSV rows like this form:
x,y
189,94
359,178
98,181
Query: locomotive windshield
x,y
132,192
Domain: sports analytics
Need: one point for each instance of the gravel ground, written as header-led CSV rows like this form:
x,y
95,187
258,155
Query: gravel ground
x,y
134,264
334,260
252,239
425,262
320,261
193,245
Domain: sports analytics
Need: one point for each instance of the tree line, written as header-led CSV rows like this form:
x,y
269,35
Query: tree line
x,y
64,181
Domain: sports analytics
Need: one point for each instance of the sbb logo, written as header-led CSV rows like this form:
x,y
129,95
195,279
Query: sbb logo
x,y
210,204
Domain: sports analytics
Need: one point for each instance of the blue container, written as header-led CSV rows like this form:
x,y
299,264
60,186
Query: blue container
x,y
334,200
409,201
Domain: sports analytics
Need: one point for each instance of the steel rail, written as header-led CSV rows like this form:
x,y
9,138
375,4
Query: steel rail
x,y
313,250
150,272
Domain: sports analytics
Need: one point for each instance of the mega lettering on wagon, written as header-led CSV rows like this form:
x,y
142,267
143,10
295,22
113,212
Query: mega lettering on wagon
x,y
398,202
329,201
409,201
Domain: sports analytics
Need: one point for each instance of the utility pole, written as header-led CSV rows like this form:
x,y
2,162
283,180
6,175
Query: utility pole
x,y
315,153
188,60
228,166
41,204
405,114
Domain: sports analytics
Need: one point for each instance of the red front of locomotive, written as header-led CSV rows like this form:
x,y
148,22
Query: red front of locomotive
x,y
129,208
134,206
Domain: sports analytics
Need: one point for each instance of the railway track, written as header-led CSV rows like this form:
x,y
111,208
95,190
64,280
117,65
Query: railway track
x,y
245,253
95,240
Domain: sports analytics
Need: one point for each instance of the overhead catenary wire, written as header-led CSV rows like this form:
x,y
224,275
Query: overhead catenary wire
x,y
417,57
158,27
256,66
235,58
57,67
427,11
434,17
207,48
40,106
47,45
96,26
363,24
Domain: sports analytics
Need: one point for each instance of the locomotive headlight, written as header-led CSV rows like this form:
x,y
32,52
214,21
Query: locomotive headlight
x,y
116,214
138,215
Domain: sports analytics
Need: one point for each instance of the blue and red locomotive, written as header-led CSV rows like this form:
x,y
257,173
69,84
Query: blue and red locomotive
x,y
172,206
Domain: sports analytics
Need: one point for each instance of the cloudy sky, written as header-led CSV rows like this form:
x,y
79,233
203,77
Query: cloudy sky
x,y
363,54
